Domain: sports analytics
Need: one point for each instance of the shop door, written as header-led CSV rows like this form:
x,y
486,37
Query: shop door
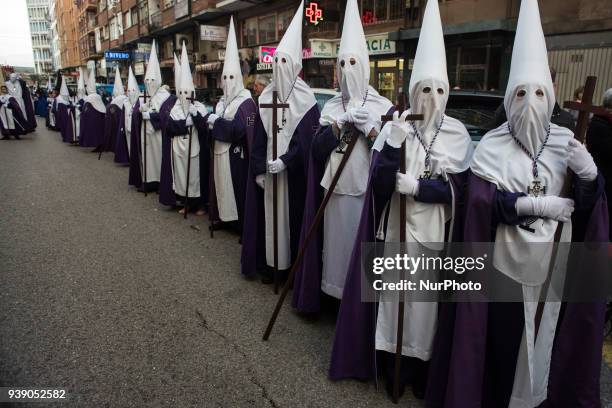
x,y
387,78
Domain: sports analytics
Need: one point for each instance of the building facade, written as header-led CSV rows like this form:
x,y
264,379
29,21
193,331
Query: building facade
x,y
478,33
56,59
66,13
38,14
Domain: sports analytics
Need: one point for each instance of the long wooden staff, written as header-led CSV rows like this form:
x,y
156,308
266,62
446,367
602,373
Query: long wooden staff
x,y
186,208
354,135
143,144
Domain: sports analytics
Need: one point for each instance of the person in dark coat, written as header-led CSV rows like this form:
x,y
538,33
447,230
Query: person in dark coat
x,y
599,143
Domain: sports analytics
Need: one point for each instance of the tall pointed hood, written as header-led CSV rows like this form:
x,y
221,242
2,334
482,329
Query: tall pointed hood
x,y
118,85
133,90
353,61
530,95
232,74
429,88
64,89
153,79
91,83
49,86
287,62
81,91
291,43
186,86
430,58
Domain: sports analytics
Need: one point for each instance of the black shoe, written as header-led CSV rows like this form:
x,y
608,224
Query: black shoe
x,y
418,390
267,280
17,137
389,388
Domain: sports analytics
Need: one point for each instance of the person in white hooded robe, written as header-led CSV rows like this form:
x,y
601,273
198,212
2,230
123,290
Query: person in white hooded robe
x,y
80,100
297,125
186,138
155,112
123,147
112,126
359,106
10,116
65,114
438,150
92,116
514,200
18,89
231,136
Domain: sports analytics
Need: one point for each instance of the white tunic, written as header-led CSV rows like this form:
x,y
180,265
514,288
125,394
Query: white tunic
x,y
153,139
15,91
180,155
127,122
425,230
529,268
6,114
224,186
344,208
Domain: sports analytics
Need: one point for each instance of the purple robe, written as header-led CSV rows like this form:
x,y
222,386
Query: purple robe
x,y
354,352
13,105
135,174
159,121
29,123
307,284
111,127
122,155
486,336
64,121
296,159
91,126
238,131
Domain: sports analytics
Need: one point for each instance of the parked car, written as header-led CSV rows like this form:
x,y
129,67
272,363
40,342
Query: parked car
x,y
324,95
475,109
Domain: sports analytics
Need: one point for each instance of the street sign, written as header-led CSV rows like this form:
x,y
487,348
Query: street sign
x,y
116,55
213,33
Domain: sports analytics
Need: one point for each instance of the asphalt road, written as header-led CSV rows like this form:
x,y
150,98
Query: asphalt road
x,y
125,304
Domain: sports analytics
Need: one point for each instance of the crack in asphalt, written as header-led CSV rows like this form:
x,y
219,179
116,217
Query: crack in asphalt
x,y
252,375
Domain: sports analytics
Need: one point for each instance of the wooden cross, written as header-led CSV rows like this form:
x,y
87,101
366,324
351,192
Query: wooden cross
x,y
143,146
185,208
402,217
274,106
585,108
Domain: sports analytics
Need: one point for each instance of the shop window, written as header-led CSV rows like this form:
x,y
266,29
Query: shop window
x,y
267,29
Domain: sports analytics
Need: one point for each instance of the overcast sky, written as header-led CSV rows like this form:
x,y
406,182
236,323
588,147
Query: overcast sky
x,y
15,41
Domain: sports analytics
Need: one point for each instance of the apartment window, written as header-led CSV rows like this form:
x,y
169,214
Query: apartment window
x,y
284,19
249,31
134,15
267,29
167,4
128,20
378,11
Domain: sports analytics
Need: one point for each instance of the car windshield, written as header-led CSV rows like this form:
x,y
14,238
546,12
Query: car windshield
x,y
473,117
322,98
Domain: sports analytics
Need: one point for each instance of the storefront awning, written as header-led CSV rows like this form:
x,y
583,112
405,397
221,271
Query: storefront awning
x,y
235,5
210,67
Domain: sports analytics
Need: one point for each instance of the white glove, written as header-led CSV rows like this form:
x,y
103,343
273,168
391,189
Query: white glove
x,y
212,118
399,129
552,207
144,108
276,166
188,121
193,111
356,116
146,115
580,161
406,184
260,180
